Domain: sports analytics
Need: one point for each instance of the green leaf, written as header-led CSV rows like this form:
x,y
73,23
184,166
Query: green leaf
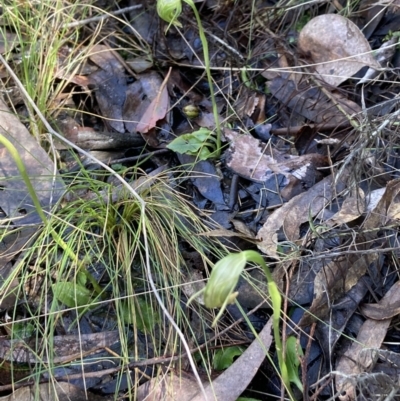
x,y
204,153
71,294
224,357
246,399
293,353
81,278
195,144
142,315
23,330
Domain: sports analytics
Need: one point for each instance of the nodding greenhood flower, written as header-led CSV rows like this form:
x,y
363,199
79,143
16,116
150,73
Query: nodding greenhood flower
x,y
223,280
169,11
219,291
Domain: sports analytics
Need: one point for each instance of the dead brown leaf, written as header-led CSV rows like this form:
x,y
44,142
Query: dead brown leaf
x,y
66,348
359,357
168,388
381,312
156,111
50,392
294,213
311,102
233,381
337,46
250,158
15,200
8,41
352,208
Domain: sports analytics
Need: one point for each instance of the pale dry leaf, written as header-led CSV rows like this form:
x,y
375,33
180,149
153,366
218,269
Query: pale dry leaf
x,y
385,210
57,391
15,200
233,381
359,357
256,161
294,213
194,282
352,208
168,388
337,46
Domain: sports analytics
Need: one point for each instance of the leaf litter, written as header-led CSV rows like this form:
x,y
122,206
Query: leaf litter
x,y
299,178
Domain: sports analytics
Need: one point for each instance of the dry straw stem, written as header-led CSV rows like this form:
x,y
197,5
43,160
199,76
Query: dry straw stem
x,y
142,204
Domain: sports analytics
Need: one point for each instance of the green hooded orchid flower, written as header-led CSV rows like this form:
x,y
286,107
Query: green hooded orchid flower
x,y
169,11
220,291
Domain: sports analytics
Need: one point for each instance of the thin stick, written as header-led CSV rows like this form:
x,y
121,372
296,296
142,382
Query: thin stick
x,y
101,17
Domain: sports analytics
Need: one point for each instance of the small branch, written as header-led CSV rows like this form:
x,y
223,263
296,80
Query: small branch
x,y
101,17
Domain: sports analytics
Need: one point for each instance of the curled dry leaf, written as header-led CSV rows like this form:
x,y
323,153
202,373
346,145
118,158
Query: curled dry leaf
x,y
252,159
15,200
337,46
352,208
294,213
359,357
313,103
383,56
156,111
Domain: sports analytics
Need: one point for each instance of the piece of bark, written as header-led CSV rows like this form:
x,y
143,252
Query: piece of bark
x,y
87,138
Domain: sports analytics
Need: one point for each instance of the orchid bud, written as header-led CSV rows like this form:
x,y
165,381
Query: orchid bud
x,y
169,11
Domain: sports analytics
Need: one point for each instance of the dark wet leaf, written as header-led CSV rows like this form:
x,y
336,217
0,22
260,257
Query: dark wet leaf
x,y
311,102
110,86
204,176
